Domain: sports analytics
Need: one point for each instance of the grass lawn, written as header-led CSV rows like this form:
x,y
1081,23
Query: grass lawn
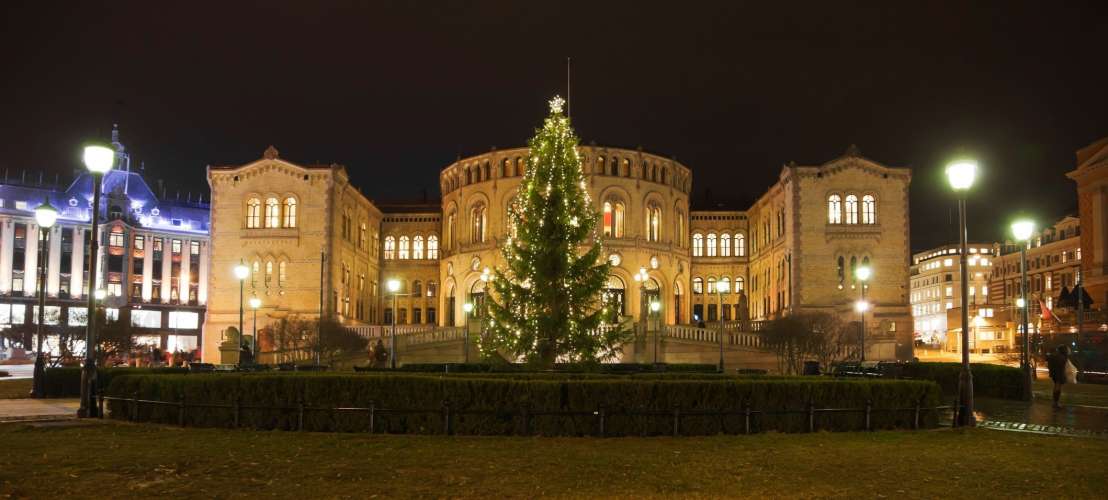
x,y
15,389
145,460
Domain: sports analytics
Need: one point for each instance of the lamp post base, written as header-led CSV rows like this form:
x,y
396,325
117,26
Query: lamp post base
x,y
38,389
965,400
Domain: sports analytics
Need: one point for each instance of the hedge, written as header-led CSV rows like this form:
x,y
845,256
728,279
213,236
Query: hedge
x,y
65,382
997,381
560,367
501,400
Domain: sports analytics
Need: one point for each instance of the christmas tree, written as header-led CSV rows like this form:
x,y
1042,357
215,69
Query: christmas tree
x,y
546,304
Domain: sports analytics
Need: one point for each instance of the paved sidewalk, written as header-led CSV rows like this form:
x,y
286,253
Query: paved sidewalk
x,y
12,410
1040,417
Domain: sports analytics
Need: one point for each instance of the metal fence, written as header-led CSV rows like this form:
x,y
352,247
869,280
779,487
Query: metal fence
x,y
447,413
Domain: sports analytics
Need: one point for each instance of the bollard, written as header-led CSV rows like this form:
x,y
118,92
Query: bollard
x,y
746,418
446,418
811,417
300,416
181,411
676,421
372,415
869,408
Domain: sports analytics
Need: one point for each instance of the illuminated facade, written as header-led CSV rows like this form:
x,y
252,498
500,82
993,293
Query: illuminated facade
x,y
936,287
152,261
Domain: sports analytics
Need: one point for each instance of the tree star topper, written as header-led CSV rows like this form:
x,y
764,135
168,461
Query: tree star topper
x,y
556,104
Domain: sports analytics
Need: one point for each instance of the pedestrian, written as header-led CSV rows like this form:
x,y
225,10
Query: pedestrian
x,y
1058,363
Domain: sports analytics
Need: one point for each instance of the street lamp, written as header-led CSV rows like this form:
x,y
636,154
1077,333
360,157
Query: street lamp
x,y
722,287
656,306
45,215
468,308
100,295
98,161
1022,230
393,285
255,303
863,274
641,278
486,277
961,175
241,272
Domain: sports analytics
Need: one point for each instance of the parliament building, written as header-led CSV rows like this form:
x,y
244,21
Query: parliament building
x,y
300,227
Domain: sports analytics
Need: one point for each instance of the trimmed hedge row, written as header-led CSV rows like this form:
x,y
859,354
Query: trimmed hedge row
x,y
997,381
65,382
500,401
613,368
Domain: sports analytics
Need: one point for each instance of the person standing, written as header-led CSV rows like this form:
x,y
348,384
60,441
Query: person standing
x,y
1056,364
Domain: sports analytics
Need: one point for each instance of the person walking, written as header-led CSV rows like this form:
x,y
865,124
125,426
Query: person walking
x,y
1058,364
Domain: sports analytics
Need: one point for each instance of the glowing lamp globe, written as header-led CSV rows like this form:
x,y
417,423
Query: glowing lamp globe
x,y
100,294
863,273
1020,303
241,271
394,285
655,306
99,159
467,307
1022,229
861,306
46,215
255,302
723,287
961,174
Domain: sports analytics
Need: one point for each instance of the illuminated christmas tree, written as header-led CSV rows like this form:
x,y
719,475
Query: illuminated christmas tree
x,y
546,305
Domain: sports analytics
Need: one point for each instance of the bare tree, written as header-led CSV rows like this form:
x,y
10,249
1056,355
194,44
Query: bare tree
x,y
788,337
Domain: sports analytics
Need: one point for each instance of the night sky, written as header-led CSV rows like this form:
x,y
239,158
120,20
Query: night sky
x,y
397,90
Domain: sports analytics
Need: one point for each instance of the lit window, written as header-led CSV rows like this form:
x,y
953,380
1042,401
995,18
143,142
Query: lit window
x,y
290,212
711,285
390,248
834,209
739,283
740,245
869,209
432,247
698,285
711,247
403,251
268,272
282,273
725,284
725,245
653,223
272,213
698,245
417,247
851,209
477,224
253,213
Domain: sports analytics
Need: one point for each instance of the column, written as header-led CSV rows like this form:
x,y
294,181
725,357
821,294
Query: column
x,y
202,277
55,262
167,268
183,281
147,268
77,265
101,246
30,269
7,242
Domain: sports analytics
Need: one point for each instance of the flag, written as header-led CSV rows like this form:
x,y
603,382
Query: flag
x,y
1046,314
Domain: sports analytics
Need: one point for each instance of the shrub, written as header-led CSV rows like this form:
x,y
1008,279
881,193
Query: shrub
x,y
489,404
560,367
4,374
65,382
997,381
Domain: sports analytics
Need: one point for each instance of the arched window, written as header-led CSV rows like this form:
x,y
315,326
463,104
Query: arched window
x,y
256,269
613,167
390,248
711,285
417,288
402,252
653,223
725,245
712,245
254,213
268,273
841,272
697,245
680,229
451,224
504,167
740,283
417,247
608,218
290,212
282,273
869,209
834,209
432,288
740,245
432,247
272,213
477,223
362,236
851,209
614,213
725,284
698,285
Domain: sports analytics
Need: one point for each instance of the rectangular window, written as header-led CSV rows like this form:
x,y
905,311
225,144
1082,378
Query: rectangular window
x,y
144,318
185,320
176,249
115,238
140,242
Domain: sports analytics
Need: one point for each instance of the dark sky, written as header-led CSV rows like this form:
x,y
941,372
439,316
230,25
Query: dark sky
x,y
396,90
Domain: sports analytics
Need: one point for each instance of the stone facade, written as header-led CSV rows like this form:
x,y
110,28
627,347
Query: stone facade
x,y
936,287
1091,176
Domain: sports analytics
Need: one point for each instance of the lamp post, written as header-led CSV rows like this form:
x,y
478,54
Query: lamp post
x,y
961,175
656,306
486,276
1022,230
722,287
640,278
45,215
241,272
863,275
394,287
255,303
468,308
98,161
